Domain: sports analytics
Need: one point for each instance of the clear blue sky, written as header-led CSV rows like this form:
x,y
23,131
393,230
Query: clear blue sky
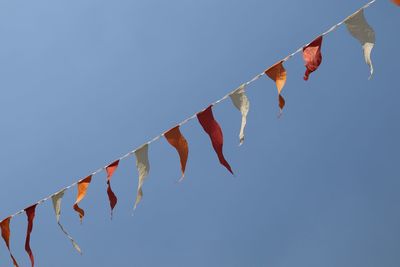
x,y
84,82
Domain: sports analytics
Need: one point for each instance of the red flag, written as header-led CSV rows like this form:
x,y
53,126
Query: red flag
x,y
312,56
110,169
30,213
5,233
212,128
397,2
178,141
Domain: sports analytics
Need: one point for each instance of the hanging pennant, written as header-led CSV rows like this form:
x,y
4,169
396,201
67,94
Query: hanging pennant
x,y
241,102
212,128
30,213
360,29
82,189
143,166
277,73
178,141
312,56
110,169
57,198
5,233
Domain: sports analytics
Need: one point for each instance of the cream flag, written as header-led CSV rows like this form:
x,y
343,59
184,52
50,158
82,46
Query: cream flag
x,y
360,29
143,166
241,102
57,198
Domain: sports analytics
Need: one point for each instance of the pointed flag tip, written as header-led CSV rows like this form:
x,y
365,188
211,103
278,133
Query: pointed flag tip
x,y
181,179
241,141
371,74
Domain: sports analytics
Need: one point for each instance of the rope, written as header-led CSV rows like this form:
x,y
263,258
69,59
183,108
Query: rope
x,y
255,78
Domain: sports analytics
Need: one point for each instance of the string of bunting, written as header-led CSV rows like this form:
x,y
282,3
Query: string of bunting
x,y
357,26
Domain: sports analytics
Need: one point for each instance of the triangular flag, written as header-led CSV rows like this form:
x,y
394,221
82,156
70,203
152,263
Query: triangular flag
x,y
178,141
57,198
214,131
82,189
278,74
360,29
241,102
143,166
312,56
30,213
110,169
5,233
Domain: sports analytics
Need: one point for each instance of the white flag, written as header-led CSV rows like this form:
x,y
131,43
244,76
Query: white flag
x,y
57,198
143,166
360,29
241,102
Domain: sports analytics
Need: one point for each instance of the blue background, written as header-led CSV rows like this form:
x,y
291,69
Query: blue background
x,y
86,81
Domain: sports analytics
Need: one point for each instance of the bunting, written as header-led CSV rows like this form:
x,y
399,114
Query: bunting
x,y
5,233
110,169
312,56
56,199
241,102
178,141
143,166
360,29
82,189
30,214
277,73
214,131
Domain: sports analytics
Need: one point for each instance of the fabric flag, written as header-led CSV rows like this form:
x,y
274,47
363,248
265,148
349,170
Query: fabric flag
x,y
212,128
312,56
178,141
143,166
30,213
397,2
360,29
82,189
278,74
241,102
5,233
57,198
110,169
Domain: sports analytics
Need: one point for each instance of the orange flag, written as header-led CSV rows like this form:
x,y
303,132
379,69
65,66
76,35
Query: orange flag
x,y
212,128
30,213
82,189
110,169
178,141
5,233
312,56
278,74
397,2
